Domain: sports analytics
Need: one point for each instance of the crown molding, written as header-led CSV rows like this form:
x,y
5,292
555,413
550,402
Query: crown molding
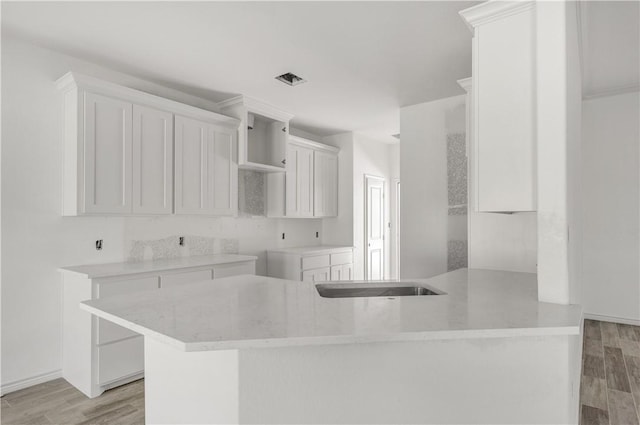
x,y
256,106
312,144
493,10
72,80
465,83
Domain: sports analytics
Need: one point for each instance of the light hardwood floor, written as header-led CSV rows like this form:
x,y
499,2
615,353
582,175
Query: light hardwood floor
x,y
610,389
57,402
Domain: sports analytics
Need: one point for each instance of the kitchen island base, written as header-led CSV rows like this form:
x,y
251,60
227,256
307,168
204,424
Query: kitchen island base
x,y
528,379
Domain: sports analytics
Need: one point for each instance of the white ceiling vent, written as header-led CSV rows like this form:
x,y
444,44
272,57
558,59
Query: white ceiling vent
x,y
291,79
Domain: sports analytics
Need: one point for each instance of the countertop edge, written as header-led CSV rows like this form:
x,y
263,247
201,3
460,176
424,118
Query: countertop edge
x,y
160,268
435,335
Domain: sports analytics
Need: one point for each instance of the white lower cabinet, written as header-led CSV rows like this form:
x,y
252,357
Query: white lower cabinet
x,y
98,354
311,264
317,275
343,272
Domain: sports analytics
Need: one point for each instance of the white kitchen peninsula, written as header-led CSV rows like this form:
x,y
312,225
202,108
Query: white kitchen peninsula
x,y
258,349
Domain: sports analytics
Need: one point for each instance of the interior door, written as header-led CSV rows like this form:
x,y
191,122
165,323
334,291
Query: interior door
x,y
374,228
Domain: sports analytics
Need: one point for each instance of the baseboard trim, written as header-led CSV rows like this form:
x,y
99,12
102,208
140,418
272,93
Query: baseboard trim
x,y
29,382
612,319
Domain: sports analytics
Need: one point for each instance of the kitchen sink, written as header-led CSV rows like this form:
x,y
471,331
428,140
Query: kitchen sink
x,y
383,289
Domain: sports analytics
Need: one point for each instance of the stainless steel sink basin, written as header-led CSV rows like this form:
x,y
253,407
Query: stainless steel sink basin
x,y
383,289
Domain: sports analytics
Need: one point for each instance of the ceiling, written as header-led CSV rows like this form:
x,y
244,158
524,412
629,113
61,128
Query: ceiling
x,y
362,60
610,35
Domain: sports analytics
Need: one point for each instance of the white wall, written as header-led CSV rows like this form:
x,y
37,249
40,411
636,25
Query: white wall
x,y
370,157
423,173
41,240
610,206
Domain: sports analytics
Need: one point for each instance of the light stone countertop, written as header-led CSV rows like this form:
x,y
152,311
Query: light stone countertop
x,y
254,311
93,271
306,250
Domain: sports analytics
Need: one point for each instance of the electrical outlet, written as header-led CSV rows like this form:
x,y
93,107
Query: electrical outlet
x,y
181,240
317,234
98,244
283,236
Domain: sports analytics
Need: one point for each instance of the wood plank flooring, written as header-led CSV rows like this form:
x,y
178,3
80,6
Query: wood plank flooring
x,y
610,389
57,402
610,385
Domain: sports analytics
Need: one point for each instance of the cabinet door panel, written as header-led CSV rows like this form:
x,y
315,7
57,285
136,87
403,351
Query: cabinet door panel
x,y
317,275
325,184
152,161
191,166
107,155
223,182
299,181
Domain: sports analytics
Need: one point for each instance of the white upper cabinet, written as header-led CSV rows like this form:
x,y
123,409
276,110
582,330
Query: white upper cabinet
x,y
309,187
119,153
263,134
205,168
325,184
503,106
107,155
299,181
153,160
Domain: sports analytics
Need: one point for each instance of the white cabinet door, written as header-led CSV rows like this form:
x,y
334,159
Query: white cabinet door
x,y
191,166
342,272
299,181
152,161
206,170
504,108
222,171
107,155
325,184
317,275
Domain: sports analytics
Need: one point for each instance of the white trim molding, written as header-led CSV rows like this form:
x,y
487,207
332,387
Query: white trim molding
x,y
492,10
256,106
29,382
72,80
612,319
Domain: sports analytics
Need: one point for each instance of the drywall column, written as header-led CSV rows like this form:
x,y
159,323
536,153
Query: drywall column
x,y
423,173
551,61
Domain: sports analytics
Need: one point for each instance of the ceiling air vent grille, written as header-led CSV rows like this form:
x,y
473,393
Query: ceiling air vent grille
x,y
291,79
